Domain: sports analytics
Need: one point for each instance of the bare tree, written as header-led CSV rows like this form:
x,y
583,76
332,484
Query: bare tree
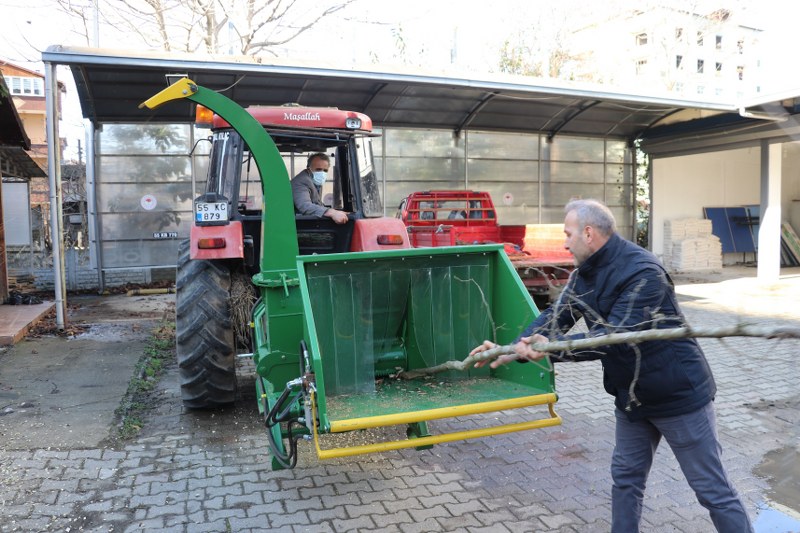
x,y
540,49
241,27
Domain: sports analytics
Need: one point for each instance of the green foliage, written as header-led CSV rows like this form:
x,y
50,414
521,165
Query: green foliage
x,y
642,197
137,401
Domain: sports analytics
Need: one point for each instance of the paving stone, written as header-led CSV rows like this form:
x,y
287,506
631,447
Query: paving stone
x,y
386,529
156,524
408,503
115,517
435,511
353,524
303,504
559,520
175,509
427,525
246,501
499,528
148,501
300,517
168,486
70,485
217,514
327,514
420,492
324,527
377,496
445,488
233,490
458,509
343,499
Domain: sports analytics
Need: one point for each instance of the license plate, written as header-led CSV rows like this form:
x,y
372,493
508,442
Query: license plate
x,y
210,211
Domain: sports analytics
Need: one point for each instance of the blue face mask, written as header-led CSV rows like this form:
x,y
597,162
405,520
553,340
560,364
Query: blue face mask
x,y
318,177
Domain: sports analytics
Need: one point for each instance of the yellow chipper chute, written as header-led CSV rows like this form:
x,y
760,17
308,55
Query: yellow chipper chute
x,y
371,316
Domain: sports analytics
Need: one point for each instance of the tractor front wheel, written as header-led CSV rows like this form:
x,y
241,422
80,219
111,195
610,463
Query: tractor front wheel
x,y
203,331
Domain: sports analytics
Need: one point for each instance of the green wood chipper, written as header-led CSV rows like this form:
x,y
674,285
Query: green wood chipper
x,y
333,333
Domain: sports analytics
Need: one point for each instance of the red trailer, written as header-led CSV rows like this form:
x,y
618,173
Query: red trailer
x,y
452,218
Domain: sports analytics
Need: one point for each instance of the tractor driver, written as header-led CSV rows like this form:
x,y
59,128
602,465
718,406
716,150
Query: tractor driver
x,y
307,190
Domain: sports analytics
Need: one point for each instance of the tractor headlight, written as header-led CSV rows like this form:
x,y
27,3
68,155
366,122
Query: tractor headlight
x,y
353,123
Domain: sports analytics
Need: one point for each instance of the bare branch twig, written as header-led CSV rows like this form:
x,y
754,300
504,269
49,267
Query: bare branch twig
x,y
628,337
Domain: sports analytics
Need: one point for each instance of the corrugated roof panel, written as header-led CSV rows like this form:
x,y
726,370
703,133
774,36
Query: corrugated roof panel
x,y
111,84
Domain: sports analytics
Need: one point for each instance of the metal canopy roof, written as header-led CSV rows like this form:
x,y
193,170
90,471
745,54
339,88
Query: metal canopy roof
x,y
111,85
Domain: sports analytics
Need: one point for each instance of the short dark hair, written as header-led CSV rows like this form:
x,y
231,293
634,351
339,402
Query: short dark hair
x,y
320,155
595,214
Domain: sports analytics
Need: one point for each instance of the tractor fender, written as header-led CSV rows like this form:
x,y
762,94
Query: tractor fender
x,y
232,245
379,234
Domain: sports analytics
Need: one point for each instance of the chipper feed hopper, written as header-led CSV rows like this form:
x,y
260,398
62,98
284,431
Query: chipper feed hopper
x,y
334,333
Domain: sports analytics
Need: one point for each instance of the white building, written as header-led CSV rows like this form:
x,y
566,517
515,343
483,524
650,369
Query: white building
x,y
713,56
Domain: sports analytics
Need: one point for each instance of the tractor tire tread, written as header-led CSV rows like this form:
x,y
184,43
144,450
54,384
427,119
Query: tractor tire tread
x,y
204,333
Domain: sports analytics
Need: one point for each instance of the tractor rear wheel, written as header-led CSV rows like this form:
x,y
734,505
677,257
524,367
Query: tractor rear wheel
x,y
203,331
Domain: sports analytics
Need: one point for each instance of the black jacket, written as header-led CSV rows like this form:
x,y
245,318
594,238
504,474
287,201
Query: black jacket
x,y
623,287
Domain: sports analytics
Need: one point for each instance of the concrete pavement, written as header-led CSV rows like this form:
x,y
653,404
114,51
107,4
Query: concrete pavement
x,y
204,471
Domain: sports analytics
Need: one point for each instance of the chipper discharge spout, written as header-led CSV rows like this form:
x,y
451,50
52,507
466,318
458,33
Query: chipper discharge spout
x,y
333,334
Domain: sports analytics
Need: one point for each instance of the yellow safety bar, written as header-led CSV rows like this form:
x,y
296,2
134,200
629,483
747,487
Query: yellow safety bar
x,y
435,414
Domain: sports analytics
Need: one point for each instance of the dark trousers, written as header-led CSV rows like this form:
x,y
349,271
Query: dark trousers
x,y
693,439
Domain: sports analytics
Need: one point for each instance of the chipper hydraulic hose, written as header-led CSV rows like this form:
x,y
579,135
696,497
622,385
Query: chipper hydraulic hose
x,y
274,418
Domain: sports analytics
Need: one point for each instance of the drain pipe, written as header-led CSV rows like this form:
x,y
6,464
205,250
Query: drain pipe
x,y
54,178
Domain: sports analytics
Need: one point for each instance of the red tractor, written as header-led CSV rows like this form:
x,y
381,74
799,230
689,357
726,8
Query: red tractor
x,y
215,290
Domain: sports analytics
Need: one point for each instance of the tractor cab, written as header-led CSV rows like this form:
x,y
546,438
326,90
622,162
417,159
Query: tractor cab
x,y
233,190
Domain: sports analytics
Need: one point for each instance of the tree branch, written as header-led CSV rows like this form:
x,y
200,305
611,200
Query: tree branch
x,y
629,337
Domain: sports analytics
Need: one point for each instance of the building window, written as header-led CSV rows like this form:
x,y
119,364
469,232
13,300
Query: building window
x,y
718,67
679,86
699,38
740,72
641,39
700,66
701,89
24,86
718,42
678,61
641,66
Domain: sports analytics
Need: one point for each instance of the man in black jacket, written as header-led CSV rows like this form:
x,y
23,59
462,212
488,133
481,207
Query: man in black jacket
x,y
661,388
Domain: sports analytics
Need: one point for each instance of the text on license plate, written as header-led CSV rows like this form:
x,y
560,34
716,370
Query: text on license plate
x,y
210,211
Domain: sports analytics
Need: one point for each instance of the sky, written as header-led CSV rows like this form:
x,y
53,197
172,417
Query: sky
x,y
455,38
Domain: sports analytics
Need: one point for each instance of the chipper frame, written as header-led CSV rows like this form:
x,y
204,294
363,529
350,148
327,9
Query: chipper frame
x,y
332,332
